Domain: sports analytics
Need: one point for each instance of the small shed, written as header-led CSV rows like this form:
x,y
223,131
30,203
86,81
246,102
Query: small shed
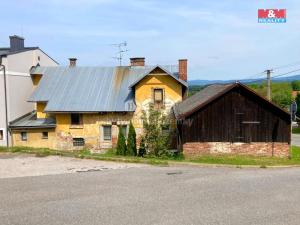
x,y
231,118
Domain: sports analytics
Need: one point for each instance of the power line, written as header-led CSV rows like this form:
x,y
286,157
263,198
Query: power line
x,y
280,75
287,65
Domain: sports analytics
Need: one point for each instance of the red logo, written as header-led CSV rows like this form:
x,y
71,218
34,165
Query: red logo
x,y
272,15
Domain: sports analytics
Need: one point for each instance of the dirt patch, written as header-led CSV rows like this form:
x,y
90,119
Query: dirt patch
x,y
22,165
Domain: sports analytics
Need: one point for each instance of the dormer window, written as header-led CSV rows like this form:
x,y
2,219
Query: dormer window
x,y
158,98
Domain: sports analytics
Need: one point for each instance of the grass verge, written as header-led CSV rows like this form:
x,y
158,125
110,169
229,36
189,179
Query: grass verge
x,y
236,160
296,130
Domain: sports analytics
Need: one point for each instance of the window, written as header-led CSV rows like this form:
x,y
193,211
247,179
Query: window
x,y
106,133
158,98
1,135
24,136
45,135
78,142
76,119
123,129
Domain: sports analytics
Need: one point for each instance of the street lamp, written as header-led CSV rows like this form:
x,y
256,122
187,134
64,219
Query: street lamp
x,y
2,68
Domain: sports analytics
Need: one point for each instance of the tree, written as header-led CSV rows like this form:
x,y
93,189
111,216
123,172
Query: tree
x,y
281,93
121,145
156,141
296,85
131,141
142,149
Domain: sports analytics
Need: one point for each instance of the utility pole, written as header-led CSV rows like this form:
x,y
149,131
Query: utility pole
x,y
2,67
269,84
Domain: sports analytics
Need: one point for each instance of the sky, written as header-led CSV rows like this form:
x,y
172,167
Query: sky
x,y
221,39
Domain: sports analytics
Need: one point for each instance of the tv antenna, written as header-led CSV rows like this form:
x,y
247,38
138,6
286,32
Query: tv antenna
x,y
121,50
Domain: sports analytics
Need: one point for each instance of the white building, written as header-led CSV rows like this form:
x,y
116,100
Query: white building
x,y
17,60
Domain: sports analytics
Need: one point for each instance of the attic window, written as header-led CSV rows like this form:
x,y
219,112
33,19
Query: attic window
x,y
158,98
76,119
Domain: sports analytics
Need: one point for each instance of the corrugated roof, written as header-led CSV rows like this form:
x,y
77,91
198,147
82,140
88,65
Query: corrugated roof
x,y
30,121
90,89
200,98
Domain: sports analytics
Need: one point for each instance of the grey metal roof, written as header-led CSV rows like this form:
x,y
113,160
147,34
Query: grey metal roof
x,y
200,98
90,89
30,121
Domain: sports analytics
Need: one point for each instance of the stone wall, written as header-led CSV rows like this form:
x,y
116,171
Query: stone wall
x,y
194,149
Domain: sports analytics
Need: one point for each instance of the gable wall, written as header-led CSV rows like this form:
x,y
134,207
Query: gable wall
x,y
225,120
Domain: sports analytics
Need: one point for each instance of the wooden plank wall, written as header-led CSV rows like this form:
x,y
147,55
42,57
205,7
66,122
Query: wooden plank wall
x,y
238,116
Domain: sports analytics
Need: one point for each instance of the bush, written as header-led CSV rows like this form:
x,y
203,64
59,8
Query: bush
x,y
131,141
156,142
121,145
142,149
296,85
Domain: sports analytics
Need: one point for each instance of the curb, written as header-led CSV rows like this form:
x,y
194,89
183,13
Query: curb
x,y
192,164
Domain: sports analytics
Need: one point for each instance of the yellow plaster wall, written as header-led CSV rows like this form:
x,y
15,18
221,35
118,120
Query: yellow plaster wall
x,y
36,79
40,107
144,94
90,130
35,139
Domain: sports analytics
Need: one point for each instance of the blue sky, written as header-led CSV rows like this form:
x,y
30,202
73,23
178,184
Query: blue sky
x,y
221,38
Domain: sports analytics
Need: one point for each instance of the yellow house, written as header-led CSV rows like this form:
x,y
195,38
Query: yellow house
x,y
80,107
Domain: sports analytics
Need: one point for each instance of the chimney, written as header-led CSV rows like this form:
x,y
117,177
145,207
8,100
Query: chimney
x,y
137,61
182,69
72,62
16,43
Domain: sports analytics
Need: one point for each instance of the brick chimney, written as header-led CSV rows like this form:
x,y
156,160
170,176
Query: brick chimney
x,y
182,69
137,61
16,43
72,62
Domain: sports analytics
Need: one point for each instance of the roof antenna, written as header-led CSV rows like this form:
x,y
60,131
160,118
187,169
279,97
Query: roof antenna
x,y
121,51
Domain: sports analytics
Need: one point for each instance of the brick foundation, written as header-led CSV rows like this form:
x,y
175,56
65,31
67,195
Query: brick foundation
x,y
194,149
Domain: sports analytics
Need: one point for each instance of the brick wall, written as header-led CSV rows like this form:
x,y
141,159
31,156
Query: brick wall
x,y
193,149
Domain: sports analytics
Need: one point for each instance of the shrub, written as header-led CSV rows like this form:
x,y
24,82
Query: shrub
x,y
131,141
142,149
121,145
156,142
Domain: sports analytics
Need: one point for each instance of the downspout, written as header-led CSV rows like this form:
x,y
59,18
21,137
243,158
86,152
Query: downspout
x,y
5,99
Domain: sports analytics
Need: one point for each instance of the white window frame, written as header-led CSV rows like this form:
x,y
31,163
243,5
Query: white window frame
x,y
103,126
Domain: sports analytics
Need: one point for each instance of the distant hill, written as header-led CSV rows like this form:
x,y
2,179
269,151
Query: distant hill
x,y
206,82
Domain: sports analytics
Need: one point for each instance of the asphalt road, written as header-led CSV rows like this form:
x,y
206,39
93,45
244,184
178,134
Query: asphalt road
x,y
296,139
154,195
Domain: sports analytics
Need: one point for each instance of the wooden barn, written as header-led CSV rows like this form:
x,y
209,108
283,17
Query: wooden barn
x,y
232,119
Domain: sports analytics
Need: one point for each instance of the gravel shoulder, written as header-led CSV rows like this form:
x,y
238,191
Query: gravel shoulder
x,y
24,165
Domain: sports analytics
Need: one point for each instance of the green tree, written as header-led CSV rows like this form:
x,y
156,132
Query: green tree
x,y
296,85
281,93
121,145
156,141
131,141
142,148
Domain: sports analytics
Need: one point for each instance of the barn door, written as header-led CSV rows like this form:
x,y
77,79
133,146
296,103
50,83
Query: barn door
x,y
239,131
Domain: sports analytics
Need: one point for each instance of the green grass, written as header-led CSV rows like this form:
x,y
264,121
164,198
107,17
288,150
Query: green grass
x,y
235,160
296,130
